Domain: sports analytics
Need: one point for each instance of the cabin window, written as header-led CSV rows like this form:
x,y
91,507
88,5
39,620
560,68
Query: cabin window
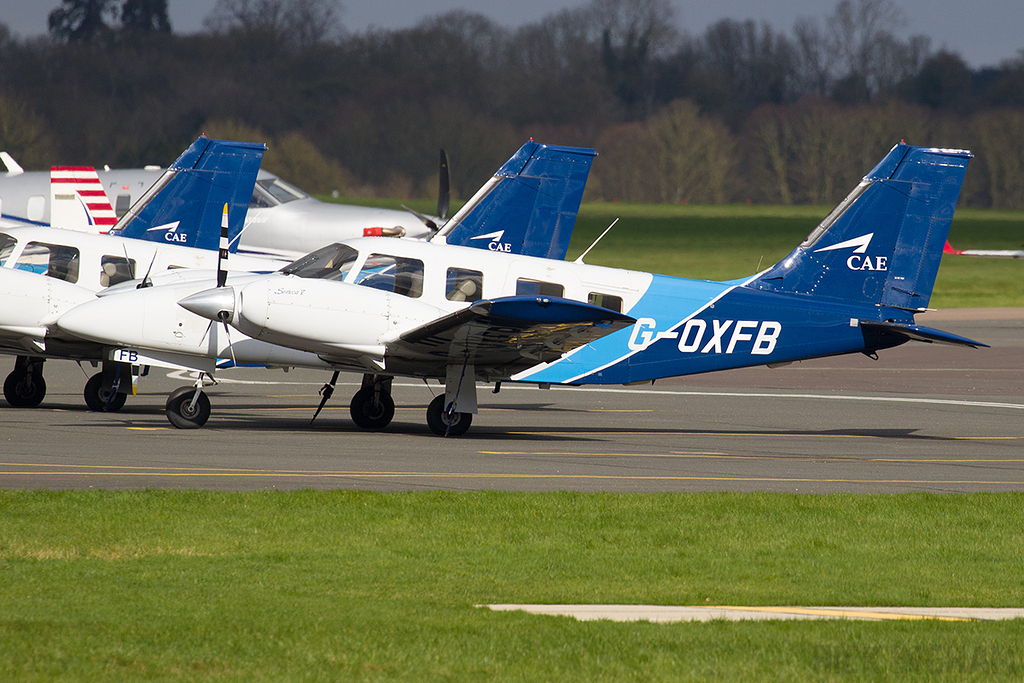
x,y
122,203
282,191
261,199
52,260
332,262
526,287
612,303
463,284
393,274
7,245
116,269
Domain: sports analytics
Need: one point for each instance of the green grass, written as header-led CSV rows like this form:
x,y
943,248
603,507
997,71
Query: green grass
x,y
732,241
162,585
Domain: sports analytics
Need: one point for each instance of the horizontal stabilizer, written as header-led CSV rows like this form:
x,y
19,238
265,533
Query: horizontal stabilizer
x,y
919,333
510,332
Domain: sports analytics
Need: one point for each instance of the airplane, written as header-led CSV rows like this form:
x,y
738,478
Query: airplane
x,y
283,221
174,227
532,200
984,253
390,308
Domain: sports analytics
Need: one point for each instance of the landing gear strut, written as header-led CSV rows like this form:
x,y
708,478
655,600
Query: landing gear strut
x,y
372,406
24,387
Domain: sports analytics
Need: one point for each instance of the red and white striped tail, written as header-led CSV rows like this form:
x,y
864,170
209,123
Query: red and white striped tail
x,y
77,200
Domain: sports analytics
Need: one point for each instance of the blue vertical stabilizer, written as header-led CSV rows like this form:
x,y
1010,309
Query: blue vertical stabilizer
x,y
185,206
883,243
530,205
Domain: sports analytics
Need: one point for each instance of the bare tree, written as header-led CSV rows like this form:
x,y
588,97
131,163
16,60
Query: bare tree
x,y
81,21
299,23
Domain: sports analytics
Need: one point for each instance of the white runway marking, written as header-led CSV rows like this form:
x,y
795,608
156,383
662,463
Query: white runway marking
x,y
670,613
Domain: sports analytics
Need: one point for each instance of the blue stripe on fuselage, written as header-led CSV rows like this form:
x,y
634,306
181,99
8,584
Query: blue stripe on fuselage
x,y
685,327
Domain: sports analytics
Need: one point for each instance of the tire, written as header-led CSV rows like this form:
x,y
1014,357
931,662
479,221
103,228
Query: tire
x,y
441,424
23,392
368,414
179,414
101,401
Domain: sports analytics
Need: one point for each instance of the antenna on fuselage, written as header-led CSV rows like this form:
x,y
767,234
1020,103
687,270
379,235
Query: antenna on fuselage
x,y
579,259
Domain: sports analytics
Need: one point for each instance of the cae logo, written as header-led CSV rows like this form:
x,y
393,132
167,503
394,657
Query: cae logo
x,y
495,243
857,260
691,338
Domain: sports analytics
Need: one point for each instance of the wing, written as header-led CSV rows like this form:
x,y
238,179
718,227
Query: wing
x,y
509,333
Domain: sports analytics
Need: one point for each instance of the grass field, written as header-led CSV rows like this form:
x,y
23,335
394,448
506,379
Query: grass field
x,y
169,585
728,242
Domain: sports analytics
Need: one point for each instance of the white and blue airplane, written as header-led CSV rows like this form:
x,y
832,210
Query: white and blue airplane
x,y
390,308
528,207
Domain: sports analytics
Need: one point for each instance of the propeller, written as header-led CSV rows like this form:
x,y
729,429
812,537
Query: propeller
x,y
443,197
222,278
443,188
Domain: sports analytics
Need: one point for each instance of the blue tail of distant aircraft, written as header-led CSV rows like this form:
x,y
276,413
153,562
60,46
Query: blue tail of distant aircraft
x,y
185,206
883,243
530,205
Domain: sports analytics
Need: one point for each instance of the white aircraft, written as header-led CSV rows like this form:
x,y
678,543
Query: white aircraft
x,y
532,201
174,227
283,221
984,253
391,308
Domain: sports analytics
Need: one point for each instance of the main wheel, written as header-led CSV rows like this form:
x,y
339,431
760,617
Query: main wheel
x,y
370,414
100,400
24,390
181,415
443,425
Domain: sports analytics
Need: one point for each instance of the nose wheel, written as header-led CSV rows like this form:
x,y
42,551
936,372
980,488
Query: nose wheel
x,y
188,408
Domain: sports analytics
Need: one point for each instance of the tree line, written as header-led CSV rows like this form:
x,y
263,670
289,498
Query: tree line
x,y
741,112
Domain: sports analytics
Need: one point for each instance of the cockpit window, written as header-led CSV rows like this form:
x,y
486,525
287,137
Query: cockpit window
x,y
261,199
332,262
7,245
393,274
281,191
52,260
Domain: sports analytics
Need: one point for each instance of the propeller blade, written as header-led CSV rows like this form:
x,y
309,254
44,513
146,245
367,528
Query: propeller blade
x,y
224,315
443,188
222,254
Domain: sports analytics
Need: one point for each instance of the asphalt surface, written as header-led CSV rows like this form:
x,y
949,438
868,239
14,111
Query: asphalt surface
x,y
923,417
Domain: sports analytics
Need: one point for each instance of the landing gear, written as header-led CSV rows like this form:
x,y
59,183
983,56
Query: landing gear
x,y
24,387
103,396
188,407
444,424
372,406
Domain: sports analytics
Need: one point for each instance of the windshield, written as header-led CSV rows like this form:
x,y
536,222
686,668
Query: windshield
x,y
332,262
7,245
281,191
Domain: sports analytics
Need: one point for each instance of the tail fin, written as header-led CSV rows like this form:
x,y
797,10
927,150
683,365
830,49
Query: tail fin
x,y
883,243
185,205
529,207
77,200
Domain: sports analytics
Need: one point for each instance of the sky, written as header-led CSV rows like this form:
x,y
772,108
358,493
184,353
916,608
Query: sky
x,y
983,32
